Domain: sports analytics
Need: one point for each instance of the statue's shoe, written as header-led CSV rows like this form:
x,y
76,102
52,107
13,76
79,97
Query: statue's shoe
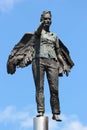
x,y
40,114
55,117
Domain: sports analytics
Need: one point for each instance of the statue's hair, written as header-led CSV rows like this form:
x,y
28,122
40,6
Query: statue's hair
x,y
43,13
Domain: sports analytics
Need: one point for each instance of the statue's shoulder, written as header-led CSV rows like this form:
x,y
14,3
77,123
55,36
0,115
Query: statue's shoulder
x,y
54,34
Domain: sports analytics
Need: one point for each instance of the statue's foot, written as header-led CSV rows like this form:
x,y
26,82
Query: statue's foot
x,y
55,117
40,114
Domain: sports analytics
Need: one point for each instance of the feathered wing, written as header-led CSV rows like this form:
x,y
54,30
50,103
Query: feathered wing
x,y
22,53
64,52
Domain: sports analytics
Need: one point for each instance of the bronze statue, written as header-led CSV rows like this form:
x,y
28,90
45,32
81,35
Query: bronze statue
x,y
48,55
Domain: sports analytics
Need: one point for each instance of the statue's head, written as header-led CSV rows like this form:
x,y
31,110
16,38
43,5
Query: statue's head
x,y
46,16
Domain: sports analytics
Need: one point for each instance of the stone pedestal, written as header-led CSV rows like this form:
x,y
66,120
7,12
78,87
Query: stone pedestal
x,y
40,123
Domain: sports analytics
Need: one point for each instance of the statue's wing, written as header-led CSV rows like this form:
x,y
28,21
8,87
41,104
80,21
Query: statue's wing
x,y
22,53
66,57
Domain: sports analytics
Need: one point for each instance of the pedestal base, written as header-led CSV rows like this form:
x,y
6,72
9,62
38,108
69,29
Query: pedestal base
x,y
40,123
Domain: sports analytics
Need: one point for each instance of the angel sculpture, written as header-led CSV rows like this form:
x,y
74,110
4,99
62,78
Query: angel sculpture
x,y
47,54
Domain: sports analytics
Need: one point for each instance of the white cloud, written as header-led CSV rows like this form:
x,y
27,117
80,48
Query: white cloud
x,y
23,120
75,125
6,5
71,123
10,115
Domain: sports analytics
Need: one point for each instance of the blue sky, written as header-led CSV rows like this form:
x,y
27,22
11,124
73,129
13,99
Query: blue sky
x,y
17,92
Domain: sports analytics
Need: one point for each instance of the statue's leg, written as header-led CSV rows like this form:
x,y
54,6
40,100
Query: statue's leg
x,y
52,76
38,74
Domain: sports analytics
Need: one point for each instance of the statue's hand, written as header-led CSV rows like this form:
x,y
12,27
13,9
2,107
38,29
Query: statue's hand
x,y
66,69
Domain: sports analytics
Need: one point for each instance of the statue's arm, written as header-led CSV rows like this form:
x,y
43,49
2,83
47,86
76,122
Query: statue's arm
x,y
66,68
62,59
39,29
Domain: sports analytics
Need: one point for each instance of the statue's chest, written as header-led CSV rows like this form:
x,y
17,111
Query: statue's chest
x,y
47,37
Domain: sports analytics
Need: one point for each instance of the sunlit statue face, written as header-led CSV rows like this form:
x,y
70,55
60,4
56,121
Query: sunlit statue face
x,y
47,19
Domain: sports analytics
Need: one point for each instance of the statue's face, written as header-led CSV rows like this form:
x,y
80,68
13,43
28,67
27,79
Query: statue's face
x,y
47,19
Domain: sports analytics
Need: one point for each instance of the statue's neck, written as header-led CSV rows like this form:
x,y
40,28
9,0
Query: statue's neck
x,y
46,29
